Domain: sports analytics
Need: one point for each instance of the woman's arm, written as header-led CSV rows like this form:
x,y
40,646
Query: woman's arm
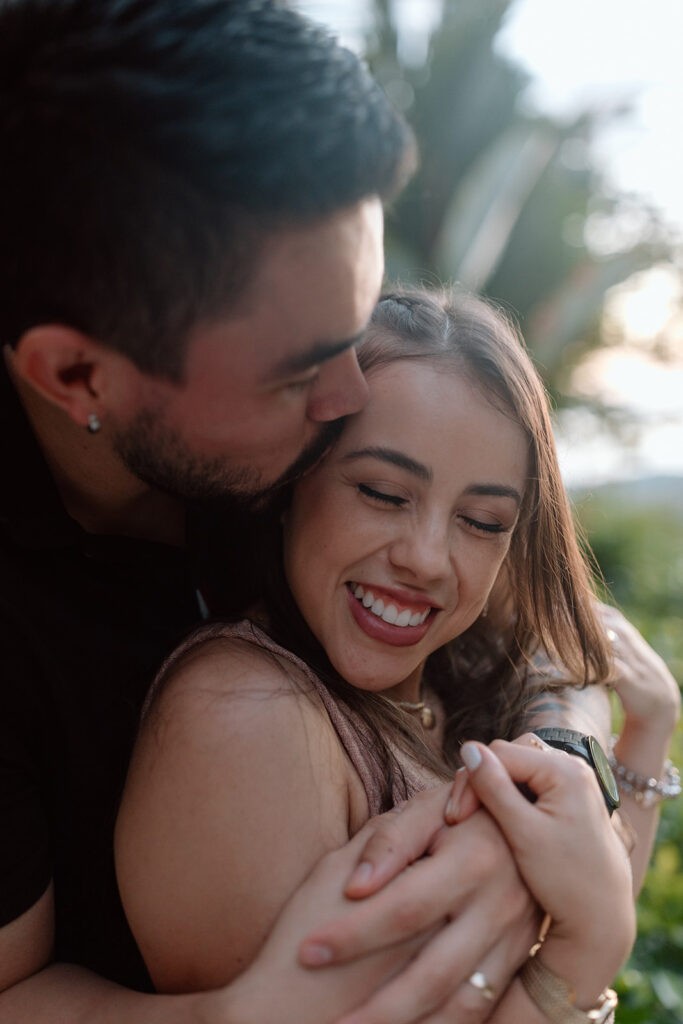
x,y
651,702
237,787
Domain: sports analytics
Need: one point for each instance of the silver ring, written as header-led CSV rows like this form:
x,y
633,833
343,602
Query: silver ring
x,y
479,981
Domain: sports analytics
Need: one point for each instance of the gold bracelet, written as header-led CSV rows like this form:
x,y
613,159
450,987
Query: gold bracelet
x,y
555,997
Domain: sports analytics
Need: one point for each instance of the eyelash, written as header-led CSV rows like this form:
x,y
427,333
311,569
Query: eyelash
x,y
385,499
484,527
397,502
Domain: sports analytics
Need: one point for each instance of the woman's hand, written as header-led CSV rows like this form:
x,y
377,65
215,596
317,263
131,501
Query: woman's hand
x,y
646,689
463,800
567,854
463,882
651,701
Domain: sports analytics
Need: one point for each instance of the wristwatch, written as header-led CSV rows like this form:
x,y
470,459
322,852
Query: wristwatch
x,y
590,750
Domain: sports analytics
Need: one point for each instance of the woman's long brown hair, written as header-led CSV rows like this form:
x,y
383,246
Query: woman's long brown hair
x,y
544,598
543,601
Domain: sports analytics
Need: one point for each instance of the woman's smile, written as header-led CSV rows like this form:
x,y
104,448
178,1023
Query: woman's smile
x,y
393,542
383,616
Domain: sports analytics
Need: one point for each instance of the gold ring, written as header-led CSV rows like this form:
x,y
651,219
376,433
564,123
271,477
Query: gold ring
x,y
479,981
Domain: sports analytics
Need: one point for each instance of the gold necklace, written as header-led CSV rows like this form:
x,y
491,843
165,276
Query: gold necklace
x,y
426,714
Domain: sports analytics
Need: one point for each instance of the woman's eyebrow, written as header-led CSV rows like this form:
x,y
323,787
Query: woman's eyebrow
x,y
393,457
496,491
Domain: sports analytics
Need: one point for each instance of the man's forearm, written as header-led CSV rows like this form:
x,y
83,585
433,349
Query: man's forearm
x,y
586,710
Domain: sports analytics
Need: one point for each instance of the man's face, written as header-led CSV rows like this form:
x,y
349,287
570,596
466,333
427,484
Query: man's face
x,y
264,385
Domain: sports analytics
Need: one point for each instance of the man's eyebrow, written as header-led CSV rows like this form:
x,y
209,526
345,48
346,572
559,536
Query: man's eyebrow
x,y
321,352
395,458
496,491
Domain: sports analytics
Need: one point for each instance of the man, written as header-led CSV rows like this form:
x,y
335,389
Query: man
x,y
190,209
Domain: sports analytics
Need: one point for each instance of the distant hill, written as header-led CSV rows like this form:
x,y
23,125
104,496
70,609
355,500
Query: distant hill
x,y
639,493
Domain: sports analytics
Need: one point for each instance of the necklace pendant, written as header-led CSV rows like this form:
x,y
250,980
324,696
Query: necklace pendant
x,y
427,717
425,713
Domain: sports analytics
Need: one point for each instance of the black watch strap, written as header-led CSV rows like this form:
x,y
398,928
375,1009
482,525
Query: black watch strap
x,y
587,747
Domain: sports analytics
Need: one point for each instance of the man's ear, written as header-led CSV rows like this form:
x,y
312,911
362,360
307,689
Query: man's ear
x,y
64,366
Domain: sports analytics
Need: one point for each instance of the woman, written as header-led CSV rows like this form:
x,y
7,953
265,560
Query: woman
x,y
421,561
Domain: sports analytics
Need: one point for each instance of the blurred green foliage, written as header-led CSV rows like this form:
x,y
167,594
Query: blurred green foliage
x,y
639,547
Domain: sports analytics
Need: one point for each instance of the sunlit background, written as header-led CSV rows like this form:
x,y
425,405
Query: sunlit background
x,y
620,60
551,179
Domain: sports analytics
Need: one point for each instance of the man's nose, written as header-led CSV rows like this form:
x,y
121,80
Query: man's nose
x,y
341,388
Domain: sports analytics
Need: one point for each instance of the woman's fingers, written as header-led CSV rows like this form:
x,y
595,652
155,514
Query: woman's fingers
x,y
434,986
563,844
463,801
558,781
464,865
641,679
397,839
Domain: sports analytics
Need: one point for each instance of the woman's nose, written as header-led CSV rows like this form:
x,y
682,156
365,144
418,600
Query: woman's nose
x,y
424,550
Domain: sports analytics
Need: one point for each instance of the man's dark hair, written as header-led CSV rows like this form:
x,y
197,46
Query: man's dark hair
x,y
148,146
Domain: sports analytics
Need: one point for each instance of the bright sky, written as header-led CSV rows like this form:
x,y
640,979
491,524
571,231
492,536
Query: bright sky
x,y
591,51
597,52
583,53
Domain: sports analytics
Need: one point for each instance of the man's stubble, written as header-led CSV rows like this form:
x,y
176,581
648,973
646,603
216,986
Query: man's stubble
x,y
157,455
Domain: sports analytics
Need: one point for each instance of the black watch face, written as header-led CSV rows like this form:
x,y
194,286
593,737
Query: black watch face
x,y
604,772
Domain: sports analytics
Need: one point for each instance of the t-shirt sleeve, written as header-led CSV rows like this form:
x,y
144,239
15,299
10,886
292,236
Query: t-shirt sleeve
x,y
25,848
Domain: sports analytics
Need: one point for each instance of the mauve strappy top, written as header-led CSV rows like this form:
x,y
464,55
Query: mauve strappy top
x,y
353,733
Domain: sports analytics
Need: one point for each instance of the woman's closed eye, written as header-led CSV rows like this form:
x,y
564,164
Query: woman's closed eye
x,y
482,526
381,496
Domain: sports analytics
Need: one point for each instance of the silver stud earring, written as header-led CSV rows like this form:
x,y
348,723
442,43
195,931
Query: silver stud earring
x,y
93,423
485,610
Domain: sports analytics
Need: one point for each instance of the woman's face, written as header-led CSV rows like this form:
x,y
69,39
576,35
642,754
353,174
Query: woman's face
x,y
393,543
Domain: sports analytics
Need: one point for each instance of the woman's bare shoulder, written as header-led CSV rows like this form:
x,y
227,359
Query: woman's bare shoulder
x,y
236,751
225,675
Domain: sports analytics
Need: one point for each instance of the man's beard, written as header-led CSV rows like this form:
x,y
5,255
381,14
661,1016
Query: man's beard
x,y
159,457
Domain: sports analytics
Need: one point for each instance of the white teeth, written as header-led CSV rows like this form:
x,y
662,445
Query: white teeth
x,y
390,612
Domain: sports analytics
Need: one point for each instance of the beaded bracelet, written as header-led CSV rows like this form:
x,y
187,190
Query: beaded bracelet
x,y
645,791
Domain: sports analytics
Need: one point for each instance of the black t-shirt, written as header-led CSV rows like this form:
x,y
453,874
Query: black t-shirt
x,y
85,622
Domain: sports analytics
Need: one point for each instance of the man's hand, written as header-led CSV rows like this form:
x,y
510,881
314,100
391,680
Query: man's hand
x,y
461,881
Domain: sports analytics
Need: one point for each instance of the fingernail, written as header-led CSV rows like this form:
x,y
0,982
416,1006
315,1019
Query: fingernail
x,y
452,808
471,755
315,955
361,876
